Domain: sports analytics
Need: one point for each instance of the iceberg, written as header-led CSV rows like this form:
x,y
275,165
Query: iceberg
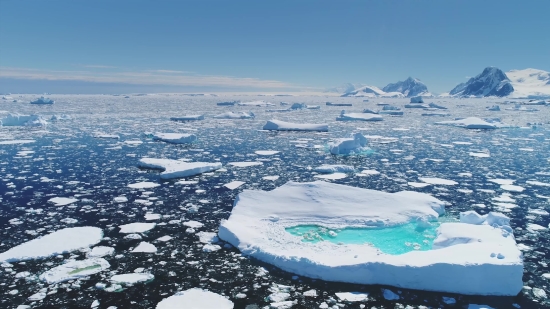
x,y
256,103
58,242
279,125
23,120
355,144
235,115
335,168
229,103
188,118
74,270
474,123
417,99
43,100
358,116
178,169
494,108
195,299
481,259
175,138
436,106
338,104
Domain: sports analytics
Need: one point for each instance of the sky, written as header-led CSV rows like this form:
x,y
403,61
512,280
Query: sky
x,y
262,46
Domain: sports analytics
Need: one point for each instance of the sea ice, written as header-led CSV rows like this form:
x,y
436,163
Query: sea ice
x,y
62,201
474,123
234,184
131,279
335,168
188,118
355,144
358,116
144,247
175,138
58,242
195,299
17,141
143,185
438,181
491,265
138,227
417,99
100,251
279,125
74,270
235,115
245,164
178,169
23,120
266,152
256,103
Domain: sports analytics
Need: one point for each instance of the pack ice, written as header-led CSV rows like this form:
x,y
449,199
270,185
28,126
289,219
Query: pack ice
x,y
474,123
178,169
58,242
475,256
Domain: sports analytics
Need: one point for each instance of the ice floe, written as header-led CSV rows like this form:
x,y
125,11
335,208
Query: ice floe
x,y
143,185
195,299
188,118
131,279
278,125
62,201
58,242
138,227
144,247
175,138
334,168
74,270
475,123
235,115
178,169
358,116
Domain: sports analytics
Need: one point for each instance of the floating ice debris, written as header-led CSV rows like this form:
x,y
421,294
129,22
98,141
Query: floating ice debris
x,y
438,181
474,123
235,115
358,116
234,184
352,296
193,224
417,99
474,306
175,138
23,120
103,135
245,164
520,108
138,227
479,154
256,103
418,184
266,152
74,270
272,178
512,188
62,201
144,247
143,185
100,251
231,103
43,100
537,183
37,297
131,279
195,299
369,172
487,255
150,216
313,106
435,114
188,118
58,242
494,108
165,238
17,141
436,106
120,199
178,169
356,144
279,125
335,168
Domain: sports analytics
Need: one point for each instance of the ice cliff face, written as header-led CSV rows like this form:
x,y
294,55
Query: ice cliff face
x,y
491,82
410,87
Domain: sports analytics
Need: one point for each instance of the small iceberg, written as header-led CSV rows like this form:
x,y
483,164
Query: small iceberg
x,y
417,99
188,118
355,144
43,100
474,123
338,104
494,108
436,106
369,111
178,169
231,103
256,103
358,116
175,138
235,115
334,168
278,125
74,270
23,120
313,106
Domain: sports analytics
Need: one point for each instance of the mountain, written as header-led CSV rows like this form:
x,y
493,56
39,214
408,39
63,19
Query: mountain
x,y
530,83
372,91
410,87
491,82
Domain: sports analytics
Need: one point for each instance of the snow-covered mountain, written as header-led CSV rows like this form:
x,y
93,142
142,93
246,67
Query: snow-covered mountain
x,y
344,88
529,83
372,91
409,88
491,82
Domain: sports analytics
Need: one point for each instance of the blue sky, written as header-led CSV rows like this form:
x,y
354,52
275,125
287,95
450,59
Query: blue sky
x,y
270,46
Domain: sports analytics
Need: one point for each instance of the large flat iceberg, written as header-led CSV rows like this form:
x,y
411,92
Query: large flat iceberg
x,y
358,116
175,138
279,125
178,169
474,123
235,115
58,242
487,263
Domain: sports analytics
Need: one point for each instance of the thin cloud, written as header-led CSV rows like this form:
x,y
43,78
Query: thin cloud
x,y
151,77
98,66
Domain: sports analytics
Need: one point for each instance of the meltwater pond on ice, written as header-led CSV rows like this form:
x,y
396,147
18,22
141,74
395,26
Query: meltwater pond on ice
x,y
390,240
